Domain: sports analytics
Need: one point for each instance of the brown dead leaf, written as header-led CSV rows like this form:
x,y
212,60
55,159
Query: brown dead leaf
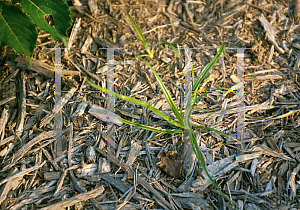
x,y
171,163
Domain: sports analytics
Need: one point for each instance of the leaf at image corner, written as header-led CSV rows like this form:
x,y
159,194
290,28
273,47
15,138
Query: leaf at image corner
x,y
17,30
37,9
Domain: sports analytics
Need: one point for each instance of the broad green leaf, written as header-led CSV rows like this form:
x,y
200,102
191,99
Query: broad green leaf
x,y
166,94
138,102
17,30
37,9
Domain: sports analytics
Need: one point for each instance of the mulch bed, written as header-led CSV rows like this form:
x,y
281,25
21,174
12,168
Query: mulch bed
x,y
96,164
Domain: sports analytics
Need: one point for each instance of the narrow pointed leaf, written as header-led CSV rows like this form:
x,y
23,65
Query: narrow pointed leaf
x,y
196,149
140,34
138,102
166,94
151,128
140,56
170,45
207,68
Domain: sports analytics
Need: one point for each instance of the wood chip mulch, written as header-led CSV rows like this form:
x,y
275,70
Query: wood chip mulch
x,y
96,162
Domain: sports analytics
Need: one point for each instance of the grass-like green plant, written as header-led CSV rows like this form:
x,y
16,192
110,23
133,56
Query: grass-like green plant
x,y
182,121
143,40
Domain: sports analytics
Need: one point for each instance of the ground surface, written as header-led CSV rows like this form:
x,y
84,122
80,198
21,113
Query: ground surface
x,y
93,164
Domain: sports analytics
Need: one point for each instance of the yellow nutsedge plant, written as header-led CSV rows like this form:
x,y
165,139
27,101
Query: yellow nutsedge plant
x,y
182,121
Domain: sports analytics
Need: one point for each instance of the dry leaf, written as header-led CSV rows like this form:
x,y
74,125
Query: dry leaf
x,y
171,163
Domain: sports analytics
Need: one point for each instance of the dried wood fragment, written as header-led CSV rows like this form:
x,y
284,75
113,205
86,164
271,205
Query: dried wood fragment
x,y
253,166
126,113
81,109
290,152
246,157
3,121
297,10
76,199
267,151
93,7
37,66
48,155
12,75
60,183
104,166
251,196
271,54
22,173
90,154
134,152
21,103
23,151
74,33
88,42
51,175
292,182
270,184
270,34
260,8
189,199
4,101
7,140
160,199
216,170
35,196
105,115
114,182
58,107
77,185
232,179
254,108
297,63
12,184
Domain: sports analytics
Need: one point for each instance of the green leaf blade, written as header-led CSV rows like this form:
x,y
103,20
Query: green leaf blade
x,y
138,102
140,34
207,68
170,45
196,149
166,94
17,30
151,128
